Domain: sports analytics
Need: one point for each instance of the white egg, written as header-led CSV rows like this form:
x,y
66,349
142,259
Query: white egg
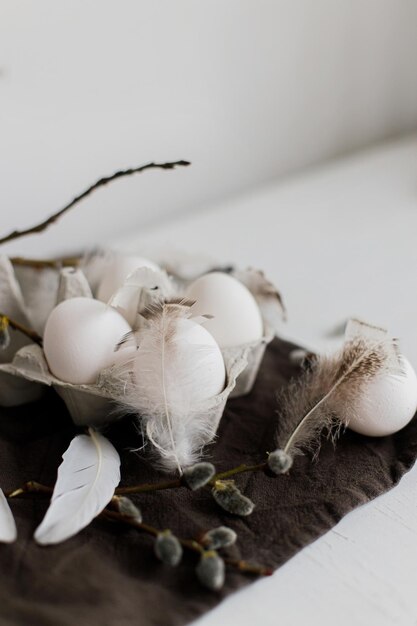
x,y
198,362
236,315
389,404
80,337
117,271
214,368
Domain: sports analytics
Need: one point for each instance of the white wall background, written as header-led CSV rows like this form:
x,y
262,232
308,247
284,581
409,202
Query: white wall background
x,y
247,90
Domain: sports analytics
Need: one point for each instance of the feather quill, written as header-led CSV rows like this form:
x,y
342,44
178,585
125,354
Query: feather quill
x,y
170,377
8,531
87,477
325,396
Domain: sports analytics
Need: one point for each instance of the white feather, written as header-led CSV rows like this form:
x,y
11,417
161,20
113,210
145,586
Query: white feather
x,y
87,477
8,531
172,381
142,288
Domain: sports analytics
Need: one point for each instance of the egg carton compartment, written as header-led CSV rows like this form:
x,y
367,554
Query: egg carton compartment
x,y
28,295
87,404
12,303
14,391
273,314
267,297
185,268
253,354
43,289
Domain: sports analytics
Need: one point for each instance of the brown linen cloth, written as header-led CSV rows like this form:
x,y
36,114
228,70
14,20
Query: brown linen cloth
x,y
108,574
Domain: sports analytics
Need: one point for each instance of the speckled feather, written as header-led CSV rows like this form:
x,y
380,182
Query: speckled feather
x,y
325,396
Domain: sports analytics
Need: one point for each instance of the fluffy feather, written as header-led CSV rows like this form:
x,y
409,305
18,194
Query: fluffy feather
x,y
170,378
142,289
87,477
325,396
8,531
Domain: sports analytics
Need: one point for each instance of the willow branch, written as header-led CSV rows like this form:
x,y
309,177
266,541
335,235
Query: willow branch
x,y
38,228
240,469
189,544
5,321
249,568
30,487
178,482
193,545
146,487
34,487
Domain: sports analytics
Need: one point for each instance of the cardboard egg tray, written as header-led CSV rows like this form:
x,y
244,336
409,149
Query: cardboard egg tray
x,y
28,295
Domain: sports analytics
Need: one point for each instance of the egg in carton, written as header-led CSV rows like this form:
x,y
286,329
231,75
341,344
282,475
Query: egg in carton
x,y
24,371
129,299
93,404
187,268
23,368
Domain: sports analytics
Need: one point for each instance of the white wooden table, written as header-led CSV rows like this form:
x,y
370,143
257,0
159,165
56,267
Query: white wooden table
x,y
338,241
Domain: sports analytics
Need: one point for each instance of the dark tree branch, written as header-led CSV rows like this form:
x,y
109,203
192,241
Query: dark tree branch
x,y
16,234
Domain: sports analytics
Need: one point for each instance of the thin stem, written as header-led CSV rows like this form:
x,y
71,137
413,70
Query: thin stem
x,y
189,544
39,264
31,334
38,228
34,487
130,521
178,482
249,568
240,469
30,487
146,487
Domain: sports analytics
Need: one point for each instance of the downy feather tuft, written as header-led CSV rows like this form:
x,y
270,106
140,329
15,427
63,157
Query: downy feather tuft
x,y
167,384
325,396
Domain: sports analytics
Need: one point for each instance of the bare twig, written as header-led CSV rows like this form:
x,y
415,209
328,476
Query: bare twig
x,y
172,484
189,544
193,545
30,487
249,568
39,264
38,228
240,469
34,487
5,321
146,487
